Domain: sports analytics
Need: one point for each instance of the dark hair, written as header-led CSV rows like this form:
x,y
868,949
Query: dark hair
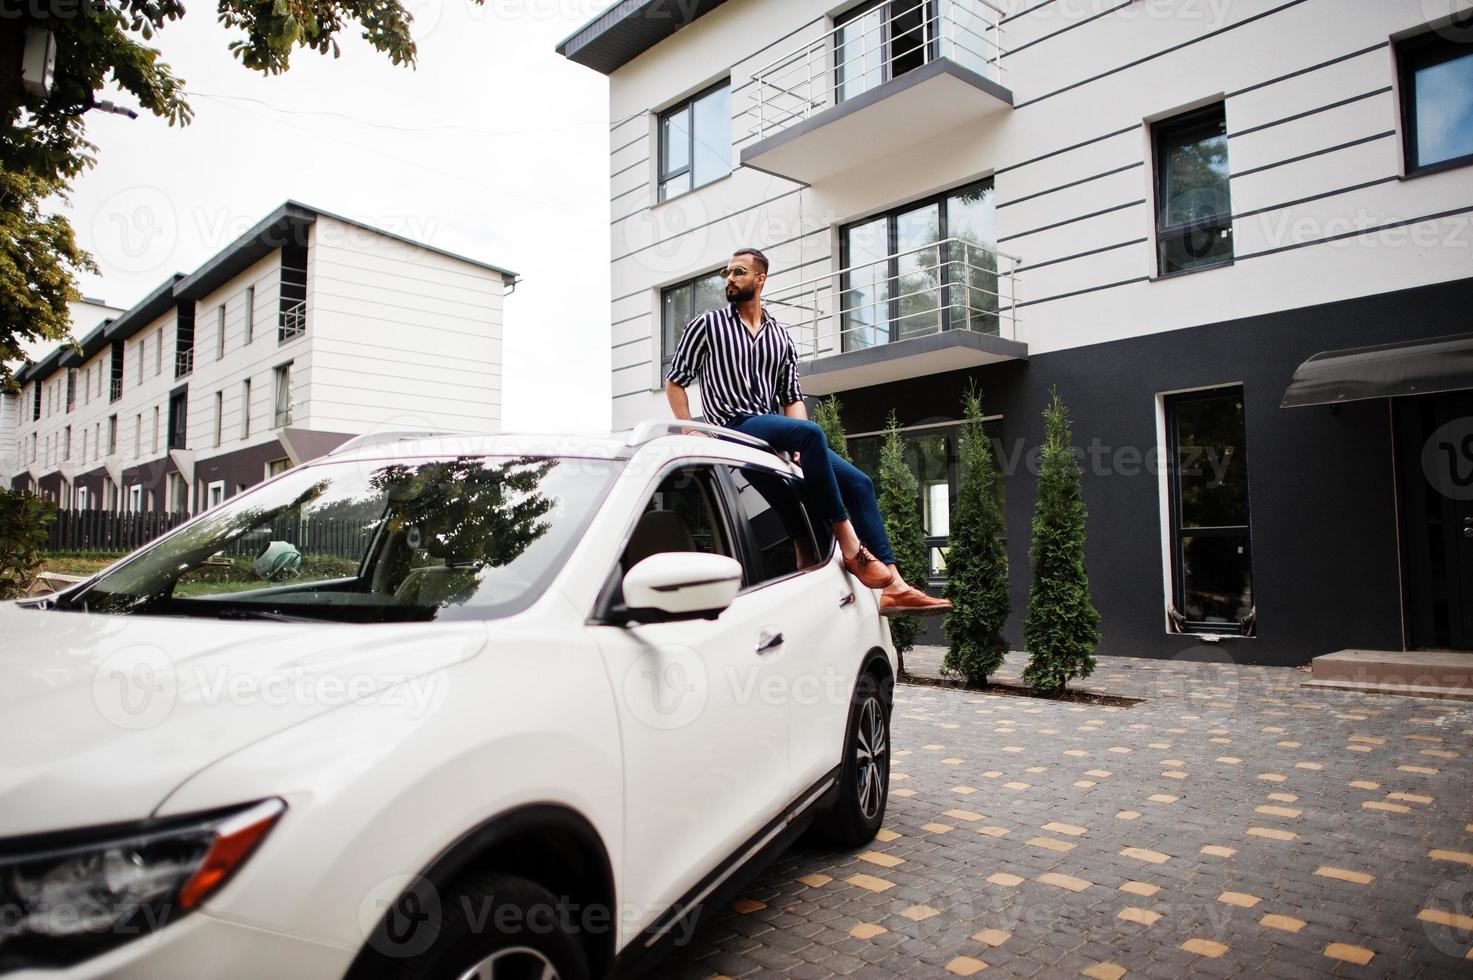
x,y
758,256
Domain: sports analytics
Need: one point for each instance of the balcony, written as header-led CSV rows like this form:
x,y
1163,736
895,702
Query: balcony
x,y
895,76
942,306
183,362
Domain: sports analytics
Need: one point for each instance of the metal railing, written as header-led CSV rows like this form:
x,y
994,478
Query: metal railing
x,y
183,362
952,284
293,322
873,48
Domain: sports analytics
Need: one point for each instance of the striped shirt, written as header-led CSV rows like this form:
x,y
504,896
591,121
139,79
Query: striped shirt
x,y
738,372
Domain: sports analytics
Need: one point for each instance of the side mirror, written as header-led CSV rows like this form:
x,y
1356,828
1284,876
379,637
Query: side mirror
x,y
677,585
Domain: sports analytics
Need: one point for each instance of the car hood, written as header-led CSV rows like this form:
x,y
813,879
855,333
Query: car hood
x,y
104,715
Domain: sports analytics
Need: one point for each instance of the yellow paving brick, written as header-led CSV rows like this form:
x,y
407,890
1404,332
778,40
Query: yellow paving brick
x,y
1439,753
1077,753
1173,763
1311,766
1284,923
1419,770
1358,748
1284,797
964,790
1143,916
991,774
1005,880
933,748
1204,947
1450,919
952,762
1409,797
965,966
1085,783
870,883
994,831
1423,738
898,776
1229,760
1358,955
1364,784
920,913
1458,856
747,905
1065,828
1241,899
966,815
1051,844
886,835
1142,854
1271,777
903,793
815,881
1103,971
1012,748
1287,813
1016,785
1036,769
1368,739
882,859
1288,745
1100,773
938,828
1140,888
1341,874
1385,807
992,937
867,930
1271,834
1070,882
1214,850
1162,798
1119,750
1175,774
1221,741
1159,745
1128,815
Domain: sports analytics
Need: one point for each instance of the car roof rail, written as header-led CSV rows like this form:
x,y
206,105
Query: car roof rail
x,y
654,428
380,438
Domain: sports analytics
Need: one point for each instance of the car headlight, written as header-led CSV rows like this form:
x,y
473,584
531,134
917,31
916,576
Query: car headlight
x,y
64,898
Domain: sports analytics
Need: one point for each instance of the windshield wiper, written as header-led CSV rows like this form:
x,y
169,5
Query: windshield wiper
x,y
262,614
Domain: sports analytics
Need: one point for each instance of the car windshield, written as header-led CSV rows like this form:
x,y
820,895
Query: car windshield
x,y
368,541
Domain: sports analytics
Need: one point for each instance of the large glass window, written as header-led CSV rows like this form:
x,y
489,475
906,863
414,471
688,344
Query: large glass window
x,y
695,142
901,281
879,41
1194,223
1211,549
681,303
1436,100
683,514
933,456
781,540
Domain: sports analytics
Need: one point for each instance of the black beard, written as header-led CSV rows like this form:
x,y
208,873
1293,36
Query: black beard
x,y
735,294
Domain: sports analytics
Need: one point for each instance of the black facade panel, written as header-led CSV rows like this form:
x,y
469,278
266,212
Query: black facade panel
x,y
1326,566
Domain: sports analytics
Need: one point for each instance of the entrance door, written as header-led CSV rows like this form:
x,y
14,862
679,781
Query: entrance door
x,y
1435,445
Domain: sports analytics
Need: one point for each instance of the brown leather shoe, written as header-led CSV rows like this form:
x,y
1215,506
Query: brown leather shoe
x,y
871,572
912,602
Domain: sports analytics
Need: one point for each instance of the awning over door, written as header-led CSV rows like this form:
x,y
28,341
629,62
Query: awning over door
x,y
1383,371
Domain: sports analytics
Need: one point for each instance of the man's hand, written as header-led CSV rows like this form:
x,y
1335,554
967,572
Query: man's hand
x,y
797,458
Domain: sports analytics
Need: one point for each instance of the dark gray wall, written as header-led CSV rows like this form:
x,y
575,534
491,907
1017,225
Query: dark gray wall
x,y
1325,559
242,466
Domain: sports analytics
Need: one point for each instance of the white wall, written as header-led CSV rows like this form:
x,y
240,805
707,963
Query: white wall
x,y
1058,103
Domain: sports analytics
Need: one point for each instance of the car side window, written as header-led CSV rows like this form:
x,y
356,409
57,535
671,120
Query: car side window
x,y
681,515
771,506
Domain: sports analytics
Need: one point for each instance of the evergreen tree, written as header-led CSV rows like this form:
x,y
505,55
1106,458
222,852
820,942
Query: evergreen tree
x,y
899,496
1062,628
826,414
977,561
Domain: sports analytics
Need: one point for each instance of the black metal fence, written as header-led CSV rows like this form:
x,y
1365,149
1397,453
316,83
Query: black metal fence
x,y
101,530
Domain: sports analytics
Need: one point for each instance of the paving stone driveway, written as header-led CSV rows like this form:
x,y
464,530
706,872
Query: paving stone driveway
x,y
1235,824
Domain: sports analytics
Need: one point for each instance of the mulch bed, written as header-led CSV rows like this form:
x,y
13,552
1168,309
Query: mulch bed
x,y
1017,691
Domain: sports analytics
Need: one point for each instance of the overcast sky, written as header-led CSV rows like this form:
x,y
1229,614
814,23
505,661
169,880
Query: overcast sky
x,y
494,147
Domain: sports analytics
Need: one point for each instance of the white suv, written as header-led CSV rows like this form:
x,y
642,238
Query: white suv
x,y
441,707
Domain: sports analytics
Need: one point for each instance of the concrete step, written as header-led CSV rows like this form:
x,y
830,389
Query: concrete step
x,y
1418,673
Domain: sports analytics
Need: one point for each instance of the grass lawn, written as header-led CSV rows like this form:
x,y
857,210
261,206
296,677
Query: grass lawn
x,y
74,565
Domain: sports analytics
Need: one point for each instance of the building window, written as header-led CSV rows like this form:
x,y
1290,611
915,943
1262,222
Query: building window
x,y
695,142
1436,83
158,352
215,494
277,466
219,417
34,447
142,353
35,401
1211,556
184,340
112,435
138,436
292,306
220,332
922,268
245,408
84,499
71,389
135,499
66,443
283,403
154,444
85,434
878,41
681,303
178,494
250,314
1194,221
115,386
178,419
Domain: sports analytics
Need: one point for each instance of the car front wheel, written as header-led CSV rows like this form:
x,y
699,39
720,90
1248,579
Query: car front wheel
x,y
864,776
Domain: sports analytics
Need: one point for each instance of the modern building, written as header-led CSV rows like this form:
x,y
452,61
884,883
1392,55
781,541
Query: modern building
x,y
307,330
1237,238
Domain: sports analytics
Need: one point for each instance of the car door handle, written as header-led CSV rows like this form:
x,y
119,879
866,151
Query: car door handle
x,y
768,640
846,600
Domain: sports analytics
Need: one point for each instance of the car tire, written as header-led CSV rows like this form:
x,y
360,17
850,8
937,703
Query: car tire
x,y
501,925
864,776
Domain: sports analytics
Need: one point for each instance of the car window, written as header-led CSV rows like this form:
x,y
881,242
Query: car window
x,y
770,504
681,515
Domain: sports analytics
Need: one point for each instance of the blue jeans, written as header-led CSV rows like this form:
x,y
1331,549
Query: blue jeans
x,y
830,484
